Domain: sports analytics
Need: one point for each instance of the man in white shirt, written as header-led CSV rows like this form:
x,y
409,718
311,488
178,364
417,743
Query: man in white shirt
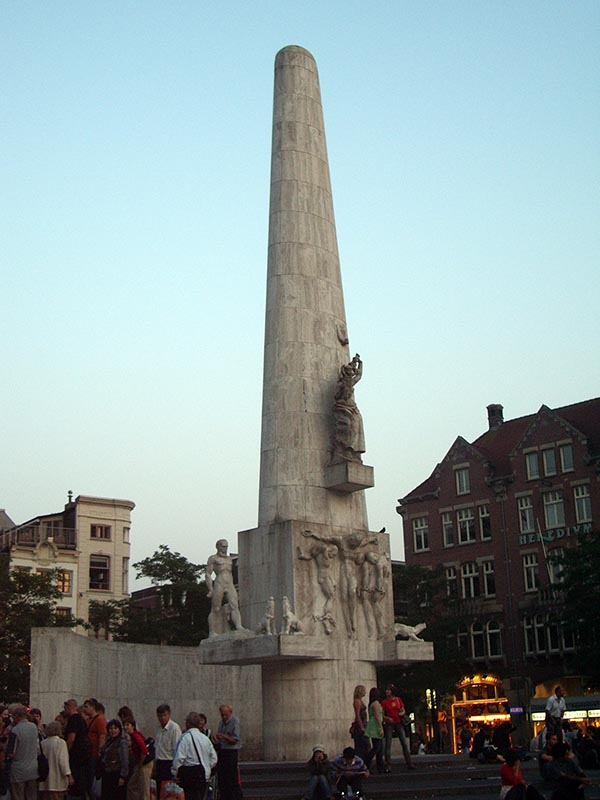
x,y
555,710
194,759
165,743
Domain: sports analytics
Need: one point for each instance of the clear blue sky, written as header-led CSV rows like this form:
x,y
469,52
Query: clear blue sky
x,y
464,146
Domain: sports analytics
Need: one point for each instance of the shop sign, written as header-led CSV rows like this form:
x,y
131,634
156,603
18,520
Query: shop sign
x,y
555,534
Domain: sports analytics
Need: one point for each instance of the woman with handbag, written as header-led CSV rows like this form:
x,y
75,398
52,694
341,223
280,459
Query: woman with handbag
x,y
113,767
194,759
58,780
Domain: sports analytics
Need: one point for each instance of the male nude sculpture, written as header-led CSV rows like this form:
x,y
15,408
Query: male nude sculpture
x,y
221,588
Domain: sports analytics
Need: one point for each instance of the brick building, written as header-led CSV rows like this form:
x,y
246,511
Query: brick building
x,y
492,513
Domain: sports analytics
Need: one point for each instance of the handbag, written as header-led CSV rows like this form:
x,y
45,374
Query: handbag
x,y
43,766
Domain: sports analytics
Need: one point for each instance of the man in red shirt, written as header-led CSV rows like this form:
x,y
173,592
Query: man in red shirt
x,y
96,728
393,723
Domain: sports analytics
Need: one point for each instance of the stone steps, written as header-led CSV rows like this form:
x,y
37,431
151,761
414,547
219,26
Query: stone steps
x,y
435,777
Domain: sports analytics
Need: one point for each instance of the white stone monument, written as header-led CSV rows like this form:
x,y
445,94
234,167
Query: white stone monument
x,y
312,552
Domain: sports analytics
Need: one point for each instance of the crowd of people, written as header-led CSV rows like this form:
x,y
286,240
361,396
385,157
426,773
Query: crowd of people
x,y
84,755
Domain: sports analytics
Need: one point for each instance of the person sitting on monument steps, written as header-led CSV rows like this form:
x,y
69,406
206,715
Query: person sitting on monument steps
x,y
349,770
319,768
221,589
227,740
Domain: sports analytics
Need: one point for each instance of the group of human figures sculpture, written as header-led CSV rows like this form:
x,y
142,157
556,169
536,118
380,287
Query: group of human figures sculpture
x,y
351,569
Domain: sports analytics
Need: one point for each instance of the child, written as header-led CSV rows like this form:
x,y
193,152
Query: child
x,y
318,767
350,771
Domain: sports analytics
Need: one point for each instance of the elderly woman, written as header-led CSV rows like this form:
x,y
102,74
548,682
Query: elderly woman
x,y
114,762
59,776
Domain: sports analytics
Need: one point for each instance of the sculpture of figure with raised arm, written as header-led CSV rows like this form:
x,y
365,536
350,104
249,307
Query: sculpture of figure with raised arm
x,y
348,433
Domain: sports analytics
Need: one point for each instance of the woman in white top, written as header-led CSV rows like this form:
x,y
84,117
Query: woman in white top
x,y
59,776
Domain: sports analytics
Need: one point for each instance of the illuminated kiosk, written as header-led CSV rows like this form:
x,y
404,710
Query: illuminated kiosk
x,y
483,702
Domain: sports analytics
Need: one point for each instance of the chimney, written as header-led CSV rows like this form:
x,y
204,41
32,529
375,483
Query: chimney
x,y
495,416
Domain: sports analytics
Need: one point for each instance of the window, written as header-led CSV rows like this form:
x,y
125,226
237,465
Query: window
x,y
466,525
489,582
463,482
531,573
553,632
566,458
477,640
555,569
544,633
126,532
485,530
462,640
451,582
529,636
583,504
64,582
52,527
100,531
526,518
421,533
62,613
539,629
494,639
99,572
549,459
470,580
554,509
533,468
125,577
447,529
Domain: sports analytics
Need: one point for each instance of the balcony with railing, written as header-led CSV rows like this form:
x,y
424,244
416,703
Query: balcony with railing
x,y
32,535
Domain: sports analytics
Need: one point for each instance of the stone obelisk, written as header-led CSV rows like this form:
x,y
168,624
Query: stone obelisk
x,y
314,582
308,506
306,339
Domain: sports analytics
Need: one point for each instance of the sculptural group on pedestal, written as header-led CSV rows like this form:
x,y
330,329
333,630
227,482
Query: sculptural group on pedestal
x,y
362,579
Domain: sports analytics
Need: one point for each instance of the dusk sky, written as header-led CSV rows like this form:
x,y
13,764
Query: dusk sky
x,y
464,149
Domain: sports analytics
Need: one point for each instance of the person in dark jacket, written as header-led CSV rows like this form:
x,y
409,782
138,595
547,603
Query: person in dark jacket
x,y
319,768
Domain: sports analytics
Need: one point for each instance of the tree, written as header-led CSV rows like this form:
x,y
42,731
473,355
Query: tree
x,y
27,600
177,613
579,589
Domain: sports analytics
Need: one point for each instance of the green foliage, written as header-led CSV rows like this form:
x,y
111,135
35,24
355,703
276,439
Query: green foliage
x,y
27,600
167,567
176,614
580,592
